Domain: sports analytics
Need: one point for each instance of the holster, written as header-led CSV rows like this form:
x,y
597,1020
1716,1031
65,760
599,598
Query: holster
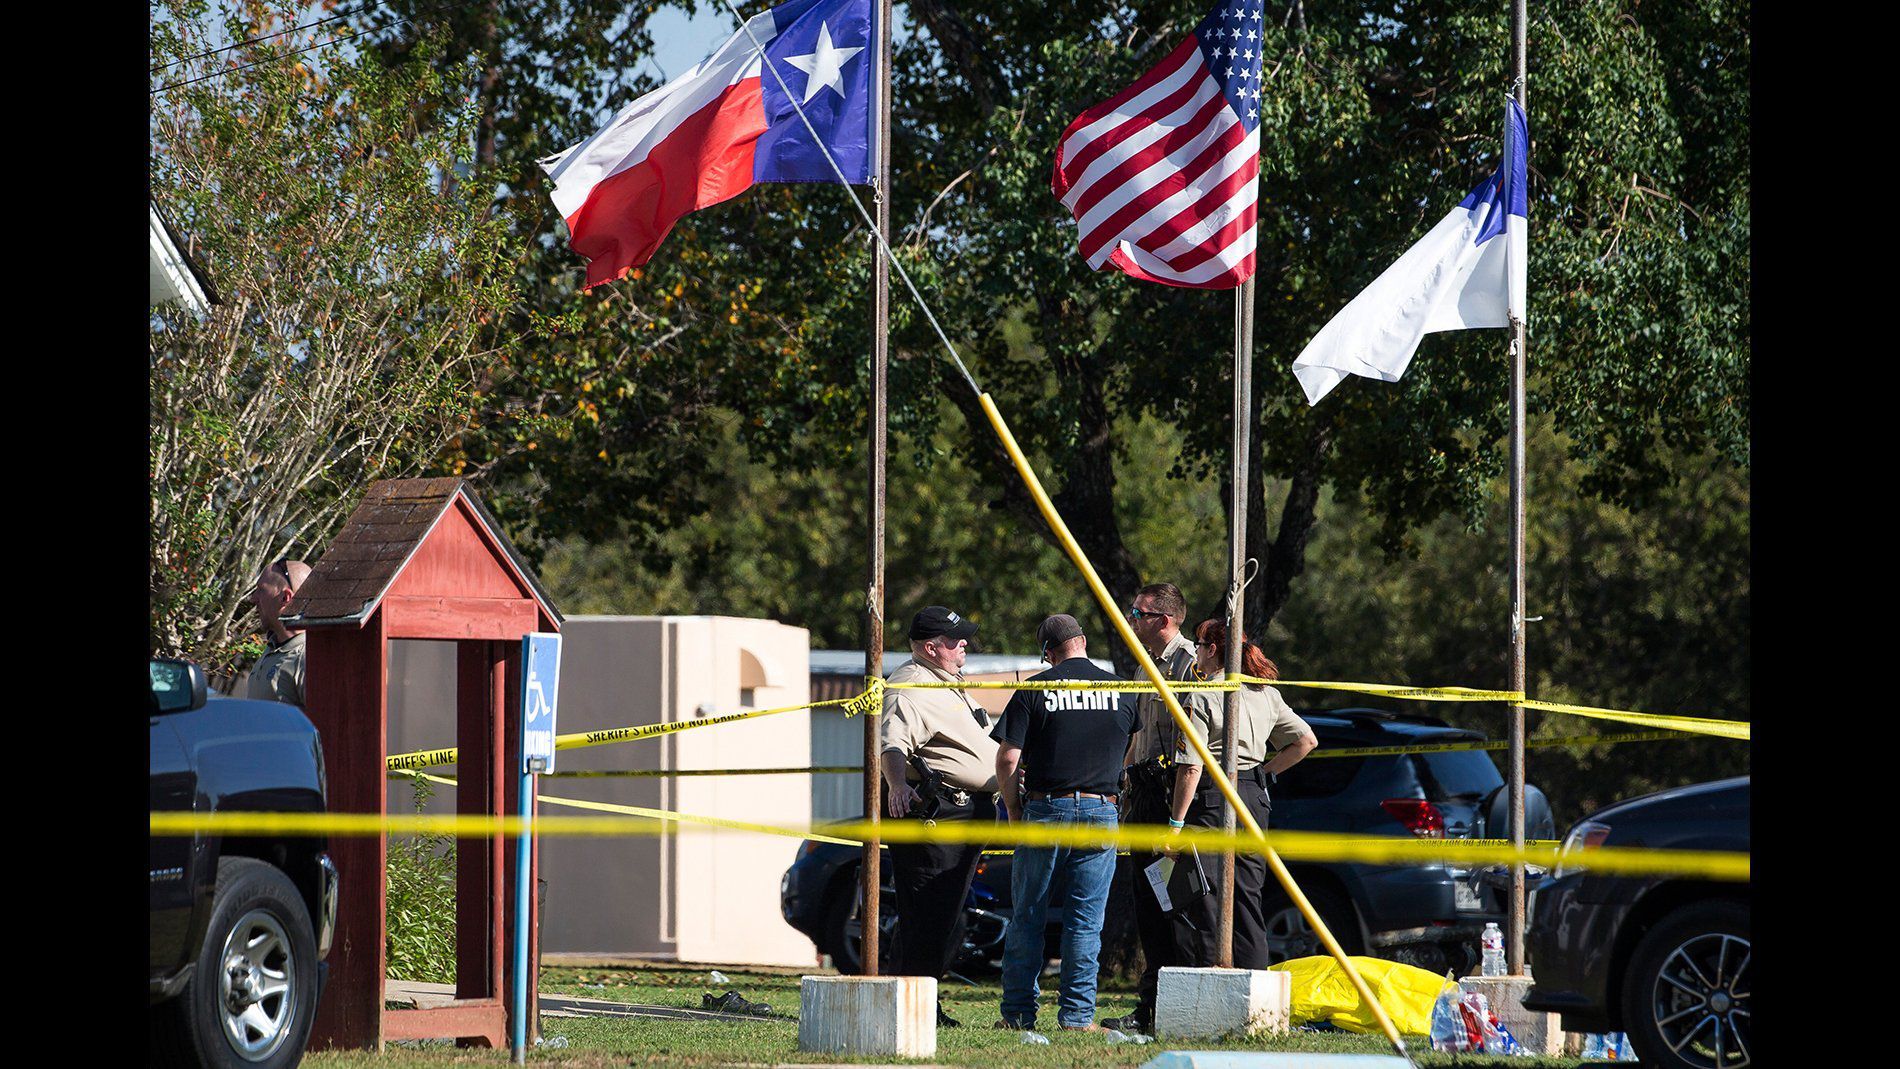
x,y
931,793
1150,790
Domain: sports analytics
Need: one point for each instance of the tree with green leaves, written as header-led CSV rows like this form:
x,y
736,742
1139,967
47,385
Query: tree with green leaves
x,y
1375,114
360,272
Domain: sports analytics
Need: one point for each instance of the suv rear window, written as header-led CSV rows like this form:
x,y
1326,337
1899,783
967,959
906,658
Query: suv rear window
x,y
1316,778
1459,773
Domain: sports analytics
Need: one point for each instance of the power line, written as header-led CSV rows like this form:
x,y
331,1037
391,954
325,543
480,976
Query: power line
x,y
268,59
272,59
258,40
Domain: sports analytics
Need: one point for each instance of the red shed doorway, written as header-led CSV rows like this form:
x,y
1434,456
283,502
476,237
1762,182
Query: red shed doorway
x,y
419,559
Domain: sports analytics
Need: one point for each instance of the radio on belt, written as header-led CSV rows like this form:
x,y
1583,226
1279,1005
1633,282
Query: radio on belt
x,y
540,687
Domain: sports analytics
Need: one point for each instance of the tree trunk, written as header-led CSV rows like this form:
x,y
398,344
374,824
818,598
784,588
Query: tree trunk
x,y
964,51
1283,557
1086,498
488,34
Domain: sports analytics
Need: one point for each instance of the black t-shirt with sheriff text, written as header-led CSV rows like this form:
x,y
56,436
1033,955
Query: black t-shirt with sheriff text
x,y
1072,740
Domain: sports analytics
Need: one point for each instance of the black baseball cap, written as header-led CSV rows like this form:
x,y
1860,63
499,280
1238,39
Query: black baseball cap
x,y
1057,629
934,621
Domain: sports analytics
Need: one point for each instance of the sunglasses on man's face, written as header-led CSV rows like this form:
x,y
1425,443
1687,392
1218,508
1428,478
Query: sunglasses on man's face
x,y
1138,614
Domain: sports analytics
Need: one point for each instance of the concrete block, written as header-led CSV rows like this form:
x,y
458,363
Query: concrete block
x,y
1537,1033
874,1015
1213,1002
1254,1059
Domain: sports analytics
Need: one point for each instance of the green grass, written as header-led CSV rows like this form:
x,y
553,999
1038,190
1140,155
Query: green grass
x,y
602,1042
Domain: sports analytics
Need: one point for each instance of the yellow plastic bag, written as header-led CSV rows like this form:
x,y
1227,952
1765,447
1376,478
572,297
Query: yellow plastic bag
x,y
1322,992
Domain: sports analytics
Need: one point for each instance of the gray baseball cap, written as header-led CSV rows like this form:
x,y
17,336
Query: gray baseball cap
x,y
1057,629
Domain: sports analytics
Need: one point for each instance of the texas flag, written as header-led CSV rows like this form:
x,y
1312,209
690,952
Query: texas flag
x,y
709,134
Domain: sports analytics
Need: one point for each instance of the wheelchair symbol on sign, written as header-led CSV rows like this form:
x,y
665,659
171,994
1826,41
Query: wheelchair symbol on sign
x,y
537,700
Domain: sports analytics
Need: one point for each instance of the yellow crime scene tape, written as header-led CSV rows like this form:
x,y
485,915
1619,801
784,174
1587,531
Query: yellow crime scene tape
x,y
658,814
774,829
1395,690
609,773
1729,729
1349,751
605,736
1499,744
871,701
1292,845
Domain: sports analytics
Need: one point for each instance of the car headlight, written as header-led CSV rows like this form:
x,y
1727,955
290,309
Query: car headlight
x,y
1585,836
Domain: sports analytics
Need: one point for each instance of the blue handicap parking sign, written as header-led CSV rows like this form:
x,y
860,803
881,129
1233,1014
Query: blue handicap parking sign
x,y
540,686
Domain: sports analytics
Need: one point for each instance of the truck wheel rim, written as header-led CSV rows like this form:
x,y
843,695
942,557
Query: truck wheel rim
x,y
854,927
1289,936
256,995
1700,1001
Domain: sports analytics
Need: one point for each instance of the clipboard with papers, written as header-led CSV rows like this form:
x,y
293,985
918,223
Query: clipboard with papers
x,y
1170,880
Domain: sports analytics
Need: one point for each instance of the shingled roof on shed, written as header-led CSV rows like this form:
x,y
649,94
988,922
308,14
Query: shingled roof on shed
x,y
379,539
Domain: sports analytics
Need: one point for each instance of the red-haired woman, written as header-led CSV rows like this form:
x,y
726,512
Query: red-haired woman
x,y
1269,738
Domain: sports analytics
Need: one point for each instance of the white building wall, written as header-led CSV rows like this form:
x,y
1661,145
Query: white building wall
x,y
693,895
729,881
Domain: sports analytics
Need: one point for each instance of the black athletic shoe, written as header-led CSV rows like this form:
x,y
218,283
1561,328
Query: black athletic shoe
x,y
944,1020
733,1002
1131,1023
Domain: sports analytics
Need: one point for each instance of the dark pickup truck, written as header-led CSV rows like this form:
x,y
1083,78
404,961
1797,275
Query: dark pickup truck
x,y
239,925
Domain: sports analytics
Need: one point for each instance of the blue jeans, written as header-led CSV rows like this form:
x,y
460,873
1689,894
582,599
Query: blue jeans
x,y
1087,872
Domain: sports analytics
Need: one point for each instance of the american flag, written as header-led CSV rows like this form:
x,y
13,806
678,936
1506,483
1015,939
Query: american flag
x,y
1162,177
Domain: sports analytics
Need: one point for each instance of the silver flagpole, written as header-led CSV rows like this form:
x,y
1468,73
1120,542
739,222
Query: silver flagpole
x,y
871,879
1514,931
1237,563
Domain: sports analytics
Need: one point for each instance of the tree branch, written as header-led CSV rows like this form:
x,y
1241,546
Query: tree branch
x,y
965,52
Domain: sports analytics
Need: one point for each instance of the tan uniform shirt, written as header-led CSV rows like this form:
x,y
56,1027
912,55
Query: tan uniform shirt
x,y
278,675
1267,724
1156,733
940,726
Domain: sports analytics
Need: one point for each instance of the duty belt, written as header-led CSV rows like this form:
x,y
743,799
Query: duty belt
x,y
1043,796
944,794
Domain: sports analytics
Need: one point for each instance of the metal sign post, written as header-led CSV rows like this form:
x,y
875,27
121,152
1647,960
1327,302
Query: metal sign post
x,y
540,686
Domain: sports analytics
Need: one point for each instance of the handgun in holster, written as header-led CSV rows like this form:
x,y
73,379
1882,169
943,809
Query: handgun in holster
x,y
930,791
1150,786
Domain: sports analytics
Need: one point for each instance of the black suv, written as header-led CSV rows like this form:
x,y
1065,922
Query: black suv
x,y
1427,915
239,925
1663,959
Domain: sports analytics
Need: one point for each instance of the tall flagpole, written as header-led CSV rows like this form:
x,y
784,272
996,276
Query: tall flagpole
x,y
1236,591
1514,932
871,878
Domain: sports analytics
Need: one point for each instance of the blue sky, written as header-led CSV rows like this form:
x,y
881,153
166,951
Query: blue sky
x,y
680,40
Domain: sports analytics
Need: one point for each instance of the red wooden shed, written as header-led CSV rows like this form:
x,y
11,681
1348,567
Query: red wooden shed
x,y
419,559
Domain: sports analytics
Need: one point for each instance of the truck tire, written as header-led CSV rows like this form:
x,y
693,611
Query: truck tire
x,y
1288,934
253,991
842,925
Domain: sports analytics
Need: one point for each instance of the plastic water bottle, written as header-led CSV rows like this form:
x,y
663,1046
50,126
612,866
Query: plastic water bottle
x,y
1493,942
1610,1046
